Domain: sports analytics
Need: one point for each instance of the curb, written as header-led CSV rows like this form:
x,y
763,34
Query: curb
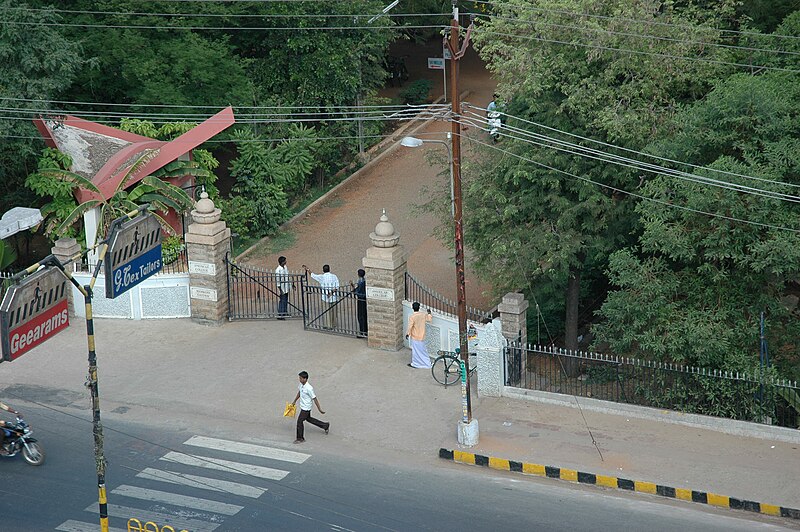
x,y
572,475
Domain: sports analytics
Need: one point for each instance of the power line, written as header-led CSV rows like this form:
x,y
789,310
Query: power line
x,y
641,21
582,151
633,194
639,35
221,28
588,139
639,52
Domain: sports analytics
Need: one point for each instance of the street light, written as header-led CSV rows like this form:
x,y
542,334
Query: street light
x,y
414,142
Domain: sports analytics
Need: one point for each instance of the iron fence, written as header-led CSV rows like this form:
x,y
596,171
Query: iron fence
x,y
416,291
333,311
253,293
734,395
173,262
5,281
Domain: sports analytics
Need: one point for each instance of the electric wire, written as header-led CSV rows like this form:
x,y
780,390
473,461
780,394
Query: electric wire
x,y
639,52
220,15
652,156
222,28
574,14
181,106
633,194
582,151
640,35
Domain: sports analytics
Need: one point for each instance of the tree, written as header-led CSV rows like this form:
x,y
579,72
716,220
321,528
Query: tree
x,y
693,288
37,63
159,194
609,75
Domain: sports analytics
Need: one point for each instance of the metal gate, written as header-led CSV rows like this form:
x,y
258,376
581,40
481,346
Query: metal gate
x,y
254,293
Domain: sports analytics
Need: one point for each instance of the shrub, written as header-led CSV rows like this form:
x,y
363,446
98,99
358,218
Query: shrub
x,y
417,92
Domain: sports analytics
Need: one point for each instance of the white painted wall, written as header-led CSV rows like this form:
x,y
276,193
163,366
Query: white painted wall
x,y
161,296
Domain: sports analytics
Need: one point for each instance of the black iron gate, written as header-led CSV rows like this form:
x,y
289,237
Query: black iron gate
x,y
513,356
255,293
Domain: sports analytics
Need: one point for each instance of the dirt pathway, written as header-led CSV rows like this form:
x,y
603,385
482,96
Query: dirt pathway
x,y
336,232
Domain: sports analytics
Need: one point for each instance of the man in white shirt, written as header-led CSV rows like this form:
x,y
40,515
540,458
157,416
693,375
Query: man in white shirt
x,y
305,393
330,288
284,285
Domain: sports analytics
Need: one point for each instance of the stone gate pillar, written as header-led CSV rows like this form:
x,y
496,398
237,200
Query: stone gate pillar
x,y
385,267
207,242
513,311
65,250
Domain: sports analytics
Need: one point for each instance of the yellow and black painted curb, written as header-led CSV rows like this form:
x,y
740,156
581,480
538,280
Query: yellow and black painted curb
x,y
580,477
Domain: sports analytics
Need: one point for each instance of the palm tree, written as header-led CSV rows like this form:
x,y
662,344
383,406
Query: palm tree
x,y
159,194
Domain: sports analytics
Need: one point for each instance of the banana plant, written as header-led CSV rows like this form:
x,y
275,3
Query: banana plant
x,y
159,194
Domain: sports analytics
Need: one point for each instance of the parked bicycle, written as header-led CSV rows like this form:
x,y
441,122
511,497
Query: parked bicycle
x,y
446,368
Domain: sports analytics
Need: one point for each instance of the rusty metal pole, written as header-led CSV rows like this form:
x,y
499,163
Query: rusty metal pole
x,y
459,230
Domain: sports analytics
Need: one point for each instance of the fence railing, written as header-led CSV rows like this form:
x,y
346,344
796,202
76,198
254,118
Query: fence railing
x,y
427,297
734,395
174,262
4,280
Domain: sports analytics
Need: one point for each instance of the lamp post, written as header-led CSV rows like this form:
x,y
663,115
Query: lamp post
x,y
414,142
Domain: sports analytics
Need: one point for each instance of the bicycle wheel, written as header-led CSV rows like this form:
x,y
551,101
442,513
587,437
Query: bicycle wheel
x,y
446,370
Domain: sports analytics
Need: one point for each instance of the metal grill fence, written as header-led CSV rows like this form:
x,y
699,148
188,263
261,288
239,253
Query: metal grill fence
x,y
761,399
333,311
253,293
416,291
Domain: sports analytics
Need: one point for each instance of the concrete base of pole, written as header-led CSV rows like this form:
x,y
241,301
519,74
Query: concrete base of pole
x,y
468,433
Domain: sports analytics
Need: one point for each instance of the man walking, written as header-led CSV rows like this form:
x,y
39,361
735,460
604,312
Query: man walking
x,y
284,285
416,337
330,286
360,290
305,393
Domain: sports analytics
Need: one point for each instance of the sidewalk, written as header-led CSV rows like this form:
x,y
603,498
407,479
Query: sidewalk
x,y
177,374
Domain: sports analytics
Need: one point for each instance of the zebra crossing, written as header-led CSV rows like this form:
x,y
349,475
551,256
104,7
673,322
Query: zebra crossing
x,y
185,500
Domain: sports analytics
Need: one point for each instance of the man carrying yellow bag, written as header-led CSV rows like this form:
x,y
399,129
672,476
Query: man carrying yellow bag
x,y
305,393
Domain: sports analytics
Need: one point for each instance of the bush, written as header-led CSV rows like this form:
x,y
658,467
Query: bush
x,y
417,92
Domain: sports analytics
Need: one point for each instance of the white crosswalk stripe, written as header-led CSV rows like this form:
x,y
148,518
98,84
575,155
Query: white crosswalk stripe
x,y
78,526
248,449
176,522
205,483
165,497
225,465
181,509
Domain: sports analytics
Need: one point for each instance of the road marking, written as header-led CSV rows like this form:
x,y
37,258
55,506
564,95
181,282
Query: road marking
x,y
205,483
225,465
174,499
178,523
248,449
78,526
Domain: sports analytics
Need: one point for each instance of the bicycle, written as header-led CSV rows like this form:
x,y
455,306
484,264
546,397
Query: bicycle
x,y
446,368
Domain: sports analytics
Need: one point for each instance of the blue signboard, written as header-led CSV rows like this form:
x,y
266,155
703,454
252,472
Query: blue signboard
x,y
134,254
134,272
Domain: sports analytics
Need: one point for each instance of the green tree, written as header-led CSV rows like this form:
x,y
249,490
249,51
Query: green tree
x,y
611,76
37,63
693,288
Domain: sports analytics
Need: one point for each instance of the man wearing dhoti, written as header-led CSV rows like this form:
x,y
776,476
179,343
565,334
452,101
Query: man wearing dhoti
x,y
416,337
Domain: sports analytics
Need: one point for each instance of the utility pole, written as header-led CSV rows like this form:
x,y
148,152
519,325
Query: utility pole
x,y
457,51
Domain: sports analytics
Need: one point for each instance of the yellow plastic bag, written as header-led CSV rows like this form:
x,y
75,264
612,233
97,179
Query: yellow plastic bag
x,y
290,410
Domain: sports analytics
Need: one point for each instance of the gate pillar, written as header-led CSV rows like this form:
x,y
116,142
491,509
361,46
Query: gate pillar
x,y
207,243
385,267
513,315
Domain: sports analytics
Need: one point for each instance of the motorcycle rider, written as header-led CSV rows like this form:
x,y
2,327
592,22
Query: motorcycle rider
x,y
2,426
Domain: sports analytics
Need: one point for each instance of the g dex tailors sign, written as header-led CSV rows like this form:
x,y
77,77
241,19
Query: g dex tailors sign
x,y
33,311
134,254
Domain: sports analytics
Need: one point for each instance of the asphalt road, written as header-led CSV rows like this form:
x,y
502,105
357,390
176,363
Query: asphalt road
x,y
204,484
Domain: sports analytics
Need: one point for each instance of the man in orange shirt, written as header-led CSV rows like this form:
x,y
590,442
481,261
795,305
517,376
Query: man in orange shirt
x,y
416,337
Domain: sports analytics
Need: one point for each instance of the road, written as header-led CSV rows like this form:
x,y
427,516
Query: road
x,y
202,483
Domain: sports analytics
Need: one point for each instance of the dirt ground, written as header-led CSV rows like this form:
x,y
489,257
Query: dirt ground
x,y
336,232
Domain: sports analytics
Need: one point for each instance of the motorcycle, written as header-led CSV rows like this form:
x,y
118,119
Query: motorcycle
x,y
18,439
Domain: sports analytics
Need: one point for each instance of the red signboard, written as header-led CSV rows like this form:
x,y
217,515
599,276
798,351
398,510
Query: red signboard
x,y
39,329
32,311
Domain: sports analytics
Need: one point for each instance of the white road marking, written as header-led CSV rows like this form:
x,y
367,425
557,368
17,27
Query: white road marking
x,y
174,499
78,526
205,483
225,465
248,449
178,523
